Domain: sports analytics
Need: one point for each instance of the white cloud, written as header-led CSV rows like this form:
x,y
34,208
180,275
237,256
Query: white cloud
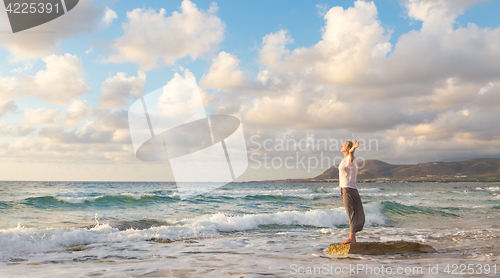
x,y
355,48
470,54
430,88
23,130
101,126
111,119
447,94
44,39
108,17
486,89
152,39
5,128
437,15
223,73
120,88
26,144
353,42
18,130
40,116
273,48
322,9
433,94
78,110
89,133
27,66
62,80
304,106
456,134
8,88
7,107
121,136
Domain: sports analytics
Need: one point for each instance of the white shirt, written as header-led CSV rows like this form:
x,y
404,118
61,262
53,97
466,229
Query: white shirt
x,y
347,173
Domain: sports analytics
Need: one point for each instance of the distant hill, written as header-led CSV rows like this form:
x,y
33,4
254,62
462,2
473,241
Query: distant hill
x,y
478,169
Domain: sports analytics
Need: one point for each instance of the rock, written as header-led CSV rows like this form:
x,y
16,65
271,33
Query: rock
x,y
160,240
379,248
186,240
76,248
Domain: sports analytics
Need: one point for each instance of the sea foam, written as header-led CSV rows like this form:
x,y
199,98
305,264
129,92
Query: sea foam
x,y
21,241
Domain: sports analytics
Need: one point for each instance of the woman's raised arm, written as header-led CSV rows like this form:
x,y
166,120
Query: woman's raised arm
x,y
351,151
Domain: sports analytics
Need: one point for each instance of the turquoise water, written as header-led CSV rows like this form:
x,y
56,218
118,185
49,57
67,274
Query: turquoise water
x,y
40,218
77,204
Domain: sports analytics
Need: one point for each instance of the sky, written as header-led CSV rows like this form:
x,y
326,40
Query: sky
x,y
413,80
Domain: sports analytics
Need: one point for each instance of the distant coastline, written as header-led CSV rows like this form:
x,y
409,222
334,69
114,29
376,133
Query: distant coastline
x,y
478,170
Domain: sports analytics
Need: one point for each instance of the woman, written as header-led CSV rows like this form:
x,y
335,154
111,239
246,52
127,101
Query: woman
x,y
348,169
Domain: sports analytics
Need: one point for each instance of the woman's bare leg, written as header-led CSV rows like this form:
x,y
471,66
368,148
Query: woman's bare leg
x,y
351,239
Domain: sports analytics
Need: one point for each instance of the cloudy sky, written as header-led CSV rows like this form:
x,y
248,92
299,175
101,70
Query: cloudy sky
x,y
415,80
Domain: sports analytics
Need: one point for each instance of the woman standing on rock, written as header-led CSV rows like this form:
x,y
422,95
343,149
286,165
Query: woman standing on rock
x,y
348,169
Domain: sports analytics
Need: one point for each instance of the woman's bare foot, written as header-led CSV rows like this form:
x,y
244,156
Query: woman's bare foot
x,y
349,240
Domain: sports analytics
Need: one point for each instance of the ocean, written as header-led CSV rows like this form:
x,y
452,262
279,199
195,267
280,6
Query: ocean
x,y
81,229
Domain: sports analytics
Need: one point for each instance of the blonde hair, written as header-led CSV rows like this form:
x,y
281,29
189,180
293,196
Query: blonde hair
x,y
349,144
